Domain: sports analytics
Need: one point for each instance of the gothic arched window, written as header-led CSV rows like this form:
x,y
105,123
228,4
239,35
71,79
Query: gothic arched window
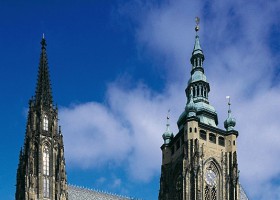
x,y
46,185
45,123
46,172
46,161
212,178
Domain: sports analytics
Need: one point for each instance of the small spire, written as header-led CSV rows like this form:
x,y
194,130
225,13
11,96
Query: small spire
x,y
191,107
230,122
197,48
167,135
43,36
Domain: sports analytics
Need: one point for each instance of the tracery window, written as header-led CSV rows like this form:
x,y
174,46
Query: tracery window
x,y
45,123
214,194
46,161
211,177
207,193
46,172
46,187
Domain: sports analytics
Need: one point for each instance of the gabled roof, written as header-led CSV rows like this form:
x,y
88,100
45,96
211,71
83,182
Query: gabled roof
x,y
78,193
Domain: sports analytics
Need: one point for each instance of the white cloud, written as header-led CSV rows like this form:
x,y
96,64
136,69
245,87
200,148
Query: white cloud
x,y
93,136
239,63
126,130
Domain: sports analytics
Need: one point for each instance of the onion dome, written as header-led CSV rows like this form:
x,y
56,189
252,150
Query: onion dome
x,y
167,135
230,122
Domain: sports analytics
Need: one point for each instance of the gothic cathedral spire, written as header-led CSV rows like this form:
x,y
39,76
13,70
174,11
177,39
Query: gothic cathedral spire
x,y
200,161
43,93
41,171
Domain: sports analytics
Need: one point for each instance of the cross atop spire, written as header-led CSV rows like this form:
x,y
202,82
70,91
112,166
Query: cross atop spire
x,y
229,111
43,95
167,121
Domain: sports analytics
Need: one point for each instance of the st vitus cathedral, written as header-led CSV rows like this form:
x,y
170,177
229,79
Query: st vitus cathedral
x,y
41,170
200,161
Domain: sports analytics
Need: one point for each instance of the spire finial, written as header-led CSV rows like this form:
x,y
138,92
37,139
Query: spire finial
x,y
197,20
167,135
167,119
168,112
229,111
43,42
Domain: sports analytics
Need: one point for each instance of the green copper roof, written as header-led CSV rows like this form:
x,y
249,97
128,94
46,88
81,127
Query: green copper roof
x,y
197,91
197,76
197,48
230,122
167,135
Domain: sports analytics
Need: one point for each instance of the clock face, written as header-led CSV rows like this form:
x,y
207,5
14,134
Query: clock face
x,y
210,177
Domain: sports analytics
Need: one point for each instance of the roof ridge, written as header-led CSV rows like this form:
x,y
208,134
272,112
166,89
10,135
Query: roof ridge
x,y
101,191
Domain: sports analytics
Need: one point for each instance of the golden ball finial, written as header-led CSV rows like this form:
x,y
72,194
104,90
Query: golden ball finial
x,y
197,20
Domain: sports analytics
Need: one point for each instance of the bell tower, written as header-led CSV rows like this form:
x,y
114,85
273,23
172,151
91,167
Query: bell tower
x,y
200,161
41,170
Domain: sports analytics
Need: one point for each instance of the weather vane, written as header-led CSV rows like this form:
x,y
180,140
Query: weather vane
x,y
197,20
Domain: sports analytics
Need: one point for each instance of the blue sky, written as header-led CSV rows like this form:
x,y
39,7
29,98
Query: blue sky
x,y
118,66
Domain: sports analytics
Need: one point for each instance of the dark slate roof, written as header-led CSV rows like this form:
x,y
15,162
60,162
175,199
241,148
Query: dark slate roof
x,y
79,193
242,193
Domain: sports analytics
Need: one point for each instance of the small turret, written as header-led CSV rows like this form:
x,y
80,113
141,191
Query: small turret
x,y
167,135
191,107
230,122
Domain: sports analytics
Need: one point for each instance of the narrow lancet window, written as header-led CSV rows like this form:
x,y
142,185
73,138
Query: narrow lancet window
x,y
45,123
46,161
46,172
46,187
